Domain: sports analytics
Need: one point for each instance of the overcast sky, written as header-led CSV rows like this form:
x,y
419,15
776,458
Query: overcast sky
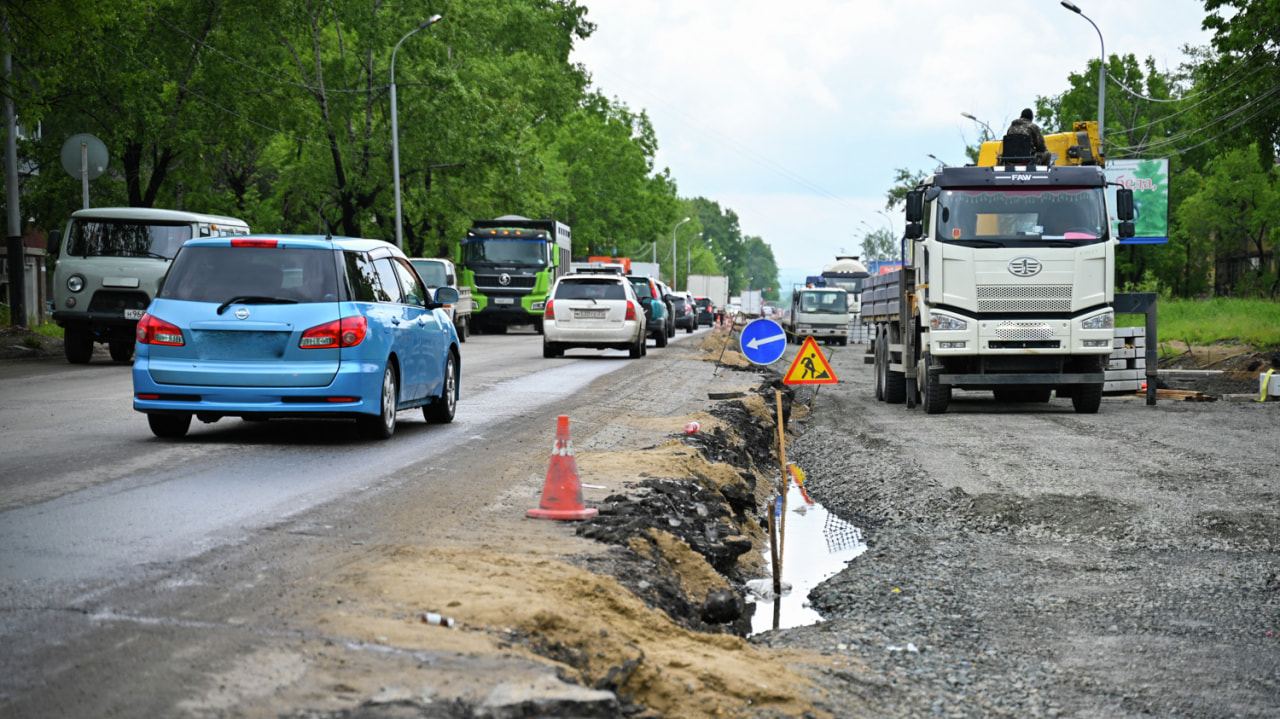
x,y
794,115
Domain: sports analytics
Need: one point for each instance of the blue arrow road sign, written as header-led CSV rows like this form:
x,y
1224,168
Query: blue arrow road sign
x,y
763,341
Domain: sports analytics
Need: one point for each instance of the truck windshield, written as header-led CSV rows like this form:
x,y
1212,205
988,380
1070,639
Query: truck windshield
x,y
1023,217
94,238
830,302
432,273
852,285
520,253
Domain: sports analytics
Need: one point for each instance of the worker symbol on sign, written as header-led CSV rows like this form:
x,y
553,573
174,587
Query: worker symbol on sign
x,y
810,366
811,372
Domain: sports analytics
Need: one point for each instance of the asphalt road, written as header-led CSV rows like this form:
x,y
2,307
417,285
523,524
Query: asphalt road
x,y
90,499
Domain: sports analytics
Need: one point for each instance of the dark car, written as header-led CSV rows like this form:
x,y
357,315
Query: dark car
x,y
706,310
685,314
655,309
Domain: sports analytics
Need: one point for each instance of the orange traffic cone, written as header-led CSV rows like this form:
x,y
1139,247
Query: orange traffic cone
x,y
562,492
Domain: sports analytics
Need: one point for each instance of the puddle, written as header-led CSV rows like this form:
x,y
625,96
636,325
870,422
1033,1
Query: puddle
x,y
815,545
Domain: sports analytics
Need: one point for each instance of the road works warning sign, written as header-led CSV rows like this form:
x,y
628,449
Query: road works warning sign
x,y
809,366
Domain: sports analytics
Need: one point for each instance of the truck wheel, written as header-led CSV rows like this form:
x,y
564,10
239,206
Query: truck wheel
x,y
878,367
77,344
463,330
1087,398
441,410
121,350
169,426
1038,394
937,396
895,383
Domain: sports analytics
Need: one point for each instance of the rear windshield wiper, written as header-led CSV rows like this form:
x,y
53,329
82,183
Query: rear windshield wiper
x,y
255,300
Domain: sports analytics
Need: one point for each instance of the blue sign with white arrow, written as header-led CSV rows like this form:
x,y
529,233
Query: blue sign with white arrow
x,y
763,341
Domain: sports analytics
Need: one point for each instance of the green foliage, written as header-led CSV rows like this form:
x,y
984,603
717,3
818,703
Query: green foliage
x,y
1215,321
1246,37
879,245
904,180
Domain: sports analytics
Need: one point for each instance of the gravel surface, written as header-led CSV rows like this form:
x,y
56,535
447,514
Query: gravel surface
x,y
1028,561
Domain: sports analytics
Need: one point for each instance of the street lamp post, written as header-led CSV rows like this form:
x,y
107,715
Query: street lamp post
x,y
688,260
674,267
395,127
1102,68
990,132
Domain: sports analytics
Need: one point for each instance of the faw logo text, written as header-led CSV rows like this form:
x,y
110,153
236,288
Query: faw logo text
x,y
1021,178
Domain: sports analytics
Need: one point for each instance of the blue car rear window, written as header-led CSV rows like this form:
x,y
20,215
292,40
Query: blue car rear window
x,y
217,274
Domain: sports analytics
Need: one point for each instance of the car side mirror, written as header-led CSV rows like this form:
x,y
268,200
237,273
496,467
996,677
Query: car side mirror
x,y
914,231
446,296
1126,229
55,242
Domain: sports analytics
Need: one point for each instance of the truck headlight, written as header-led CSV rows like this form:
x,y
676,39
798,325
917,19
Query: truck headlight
x,y
75,283
1104,321
946,323
537,306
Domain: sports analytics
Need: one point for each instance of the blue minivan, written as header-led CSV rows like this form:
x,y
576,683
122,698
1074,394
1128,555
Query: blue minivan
x,y
270,326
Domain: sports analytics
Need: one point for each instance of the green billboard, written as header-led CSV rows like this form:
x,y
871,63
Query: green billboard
x,y
1149,180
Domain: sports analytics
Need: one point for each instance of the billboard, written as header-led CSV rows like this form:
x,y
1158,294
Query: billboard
x,y
1149,180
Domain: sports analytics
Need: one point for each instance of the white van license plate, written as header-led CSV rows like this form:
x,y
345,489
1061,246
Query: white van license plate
x,y
133,314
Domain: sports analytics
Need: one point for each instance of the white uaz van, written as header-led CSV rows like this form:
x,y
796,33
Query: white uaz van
x,y
110,263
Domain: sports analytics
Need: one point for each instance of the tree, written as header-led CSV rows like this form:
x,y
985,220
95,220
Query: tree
x,y
1247,39
879,245
1235,216
904,181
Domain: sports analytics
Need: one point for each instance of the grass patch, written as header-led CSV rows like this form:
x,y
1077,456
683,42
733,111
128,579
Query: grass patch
x,y
1219,320
48,330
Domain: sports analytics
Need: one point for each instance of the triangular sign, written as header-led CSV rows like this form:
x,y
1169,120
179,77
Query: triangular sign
x,y
809,366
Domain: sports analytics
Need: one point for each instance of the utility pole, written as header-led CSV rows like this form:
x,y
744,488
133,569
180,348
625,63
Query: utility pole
x,y
17,254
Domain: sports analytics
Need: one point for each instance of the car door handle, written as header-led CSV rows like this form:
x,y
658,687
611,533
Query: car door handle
x,y
422,321
395,320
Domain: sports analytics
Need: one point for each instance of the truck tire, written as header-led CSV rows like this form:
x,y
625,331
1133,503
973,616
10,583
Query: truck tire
x,y
77,344
878,367
1087,398
895,383
937,396
463,327
121,350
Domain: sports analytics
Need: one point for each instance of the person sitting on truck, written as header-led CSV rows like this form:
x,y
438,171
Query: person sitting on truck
x,y
1024,125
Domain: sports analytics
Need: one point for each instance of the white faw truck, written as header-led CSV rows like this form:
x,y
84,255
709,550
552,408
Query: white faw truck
x,y
1007,282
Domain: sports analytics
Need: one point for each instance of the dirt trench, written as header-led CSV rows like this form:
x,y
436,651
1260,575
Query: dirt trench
x,y
655,610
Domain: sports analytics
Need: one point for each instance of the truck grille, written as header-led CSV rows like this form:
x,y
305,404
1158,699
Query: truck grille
x,y
118,301
1024,298
490,282
1023,331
